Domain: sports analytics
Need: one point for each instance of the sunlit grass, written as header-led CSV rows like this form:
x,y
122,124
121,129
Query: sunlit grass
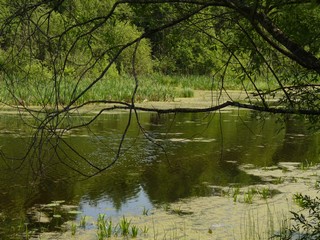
x,y
156,87
273,226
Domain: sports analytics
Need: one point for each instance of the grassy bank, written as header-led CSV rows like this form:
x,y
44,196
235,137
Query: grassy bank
x,y
154,87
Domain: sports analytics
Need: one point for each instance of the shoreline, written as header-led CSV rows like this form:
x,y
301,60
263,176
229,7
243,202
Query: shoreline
x,y
201,99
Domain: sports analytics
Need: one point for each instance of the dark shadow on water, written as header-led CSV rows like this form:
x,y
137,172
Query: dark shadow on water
x,y
189,156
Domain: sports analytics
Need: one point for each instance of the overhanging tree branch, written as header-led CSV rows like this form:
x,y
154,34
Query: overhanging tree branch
x,y
297,52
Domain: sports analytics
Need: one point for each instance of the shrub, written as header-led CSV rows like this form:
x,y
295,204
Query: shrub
x,y
306,223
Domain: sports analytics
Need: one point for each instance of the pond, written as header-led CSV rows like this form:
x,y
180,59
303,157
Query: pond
x,y
172,158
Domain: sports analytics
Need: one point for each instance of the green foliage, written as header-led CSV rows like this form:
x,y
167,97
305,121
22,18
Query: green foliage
x,y
265,193
103,227
134,231
145,211
183,49
235,193
248,196
124,225
73,229
70,49
306,223
83,222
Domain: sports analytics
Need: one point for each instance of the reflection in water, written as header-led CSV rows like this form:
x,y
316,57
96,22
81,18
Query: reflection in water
x,y
297,145
133,205
188,155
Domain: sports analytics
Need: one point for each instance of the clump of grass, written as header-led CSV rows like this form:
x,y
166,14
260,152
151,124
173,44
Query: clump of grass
x,y
145,211
83,222
265,193
27,233
177,211
124,225
278,180
134,231
255,227
107,229
73,229
305,165
235,193
248,196
102,229
185,92
145,230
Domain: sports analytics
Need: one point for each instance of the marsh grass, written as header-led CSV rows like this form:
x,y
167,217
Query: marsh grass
x,y
134,231
248,195
73,228
235,193
156,87
257,223
239,194
102,227
145,212
83,222
27,232
278,180
265,193
306,165
272,226
106,228
124,226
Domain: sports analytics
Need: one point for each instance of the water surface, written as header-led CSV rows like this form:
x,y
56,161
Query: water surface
x,y
171,157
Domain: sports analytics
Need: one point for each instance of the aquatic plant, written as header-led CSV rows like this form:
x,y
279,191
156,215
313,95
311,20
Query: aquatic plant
x,y
73,229
83,222
134,231
273,224
27,234
124,225
145,229
186,92
278,180
235,193
102,230
305,165
145,211
248,196
176,211
265,193
109,228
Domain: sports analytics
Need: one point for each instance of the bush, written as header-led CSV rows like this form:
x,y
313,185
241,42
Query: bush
x,y
306,223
